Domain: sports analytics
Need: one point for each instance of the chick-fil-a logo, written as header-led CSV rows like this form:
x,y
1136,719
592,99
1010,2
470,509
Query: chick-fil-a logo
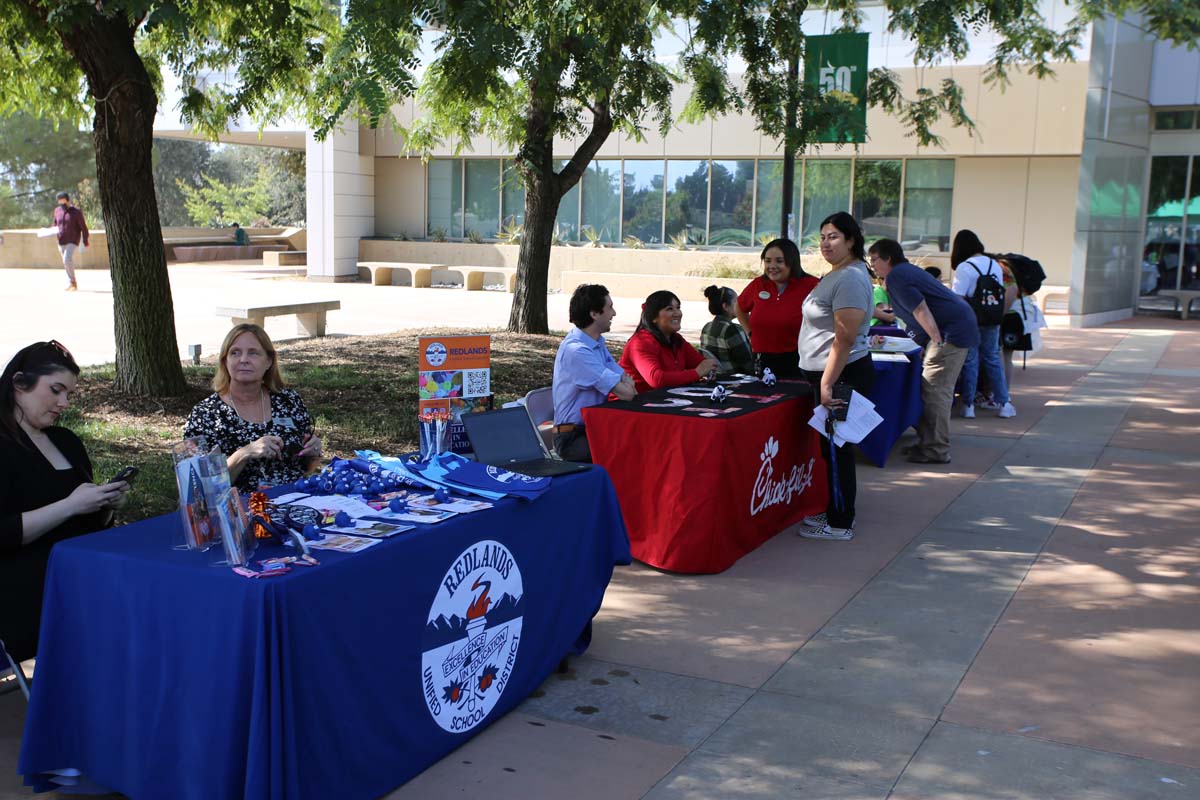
x,y
769,490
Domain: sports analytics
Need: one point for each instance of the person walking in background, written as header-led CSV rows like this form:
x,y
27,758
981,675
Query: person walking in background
x,y
723,338
971,268
945,326
770,308
72,233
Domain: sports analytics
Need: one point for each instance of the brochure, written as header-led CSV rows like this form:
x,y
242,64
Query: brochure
x,y
458,505
372,528
344,544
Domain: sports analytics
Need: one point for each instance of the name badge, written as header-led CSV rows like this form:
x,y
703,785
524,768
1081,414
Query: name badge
x,y
764,295
284,422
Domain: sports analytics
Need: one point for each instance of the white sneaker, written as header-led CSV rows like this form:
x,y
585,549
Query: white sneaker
x,y
830,533
1007,411
968,412
988,403
815,520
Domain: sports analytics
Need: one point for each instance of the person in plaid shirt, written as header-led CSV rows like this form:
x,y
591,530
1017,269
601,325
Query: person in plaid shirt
x,y
723,338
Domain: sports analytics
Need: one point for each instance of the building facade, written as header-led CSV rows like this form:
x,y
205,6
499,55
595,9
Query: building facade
x,y
1090,171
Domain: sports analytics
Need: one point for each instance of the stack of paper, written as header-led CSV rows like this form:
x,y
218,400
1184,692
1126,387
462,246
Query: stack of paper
x,y
861,419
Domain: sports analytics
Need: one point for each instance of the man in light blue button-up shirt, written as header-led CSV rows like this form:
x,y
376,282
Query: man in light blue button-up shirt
x,y
585,373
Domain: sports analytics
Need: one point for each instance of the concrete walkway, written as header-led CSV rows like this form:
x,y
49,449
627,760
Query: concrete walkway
x,y
36,308
1023,623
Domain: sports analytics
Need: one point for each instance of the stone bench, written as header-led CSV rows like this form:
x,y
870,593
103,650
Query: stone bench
x,y
223,252
384,273
285,258
1059,293
474,277
421,276
310,315
1183,299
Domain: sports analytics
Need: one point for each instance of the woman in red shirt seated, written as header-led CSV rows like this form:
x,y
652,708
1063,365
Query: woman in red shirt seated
x,y
656,355
770,308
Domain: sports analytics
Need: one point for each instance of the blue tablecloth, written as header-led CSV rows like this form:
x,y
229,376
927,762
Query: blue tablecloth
x,y
160,676
897,398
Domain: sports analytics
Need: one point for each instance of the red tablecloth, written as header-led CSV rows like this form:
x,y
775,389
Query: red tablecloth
x,y
698,493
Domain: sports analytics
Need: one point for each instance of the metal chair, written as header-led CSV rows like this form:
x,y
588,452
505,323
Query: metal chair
x,y
18,673
539,405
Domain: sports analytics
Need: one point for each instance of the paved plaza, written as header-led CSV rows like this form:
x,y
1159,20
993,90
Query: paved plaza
x,y
1021,624
36,307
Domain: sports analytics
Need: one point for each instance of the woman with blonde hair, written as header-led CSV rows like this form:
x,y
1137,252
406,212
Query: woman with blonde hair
x,y
262,427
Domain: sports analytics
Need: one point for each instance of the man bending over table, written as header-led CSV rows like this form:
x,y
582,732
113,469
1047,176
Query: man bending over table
x,y
585,373
941,322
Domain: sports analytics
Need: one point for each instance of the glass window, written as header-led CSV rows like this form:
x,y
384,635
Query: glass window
x,y
1174,120
732,202
769,186
1190,274
512,195
602,200
826,190
1164,224
444,197
643,187
567,220
877,199
687,200
483,197
928,196
770,199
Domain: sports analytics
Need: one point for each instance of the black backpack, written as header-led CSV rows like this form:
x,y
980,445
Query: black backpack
x,y
1027,272
988,299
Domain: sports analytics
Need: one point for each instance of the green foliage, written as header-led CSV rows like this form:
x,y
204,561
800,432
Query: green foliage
x,y
763,33
216,203
38,160
512,233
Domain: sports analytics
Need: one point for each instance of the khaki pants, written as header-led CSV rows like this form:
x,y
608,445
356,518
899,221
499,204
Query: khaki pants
x,y
67,251
942,364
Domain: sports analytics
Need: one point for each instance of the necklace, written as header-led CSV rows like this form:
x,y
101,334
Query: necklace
x,y
262,398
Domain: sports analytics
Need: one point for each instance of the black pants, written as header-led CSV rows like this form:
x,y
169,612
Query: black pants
x,y
573,445
860,375
784,365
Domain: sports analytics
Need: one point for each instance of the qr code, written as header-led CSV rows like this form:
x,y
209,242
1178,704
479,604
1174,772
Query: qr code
x,y
477,382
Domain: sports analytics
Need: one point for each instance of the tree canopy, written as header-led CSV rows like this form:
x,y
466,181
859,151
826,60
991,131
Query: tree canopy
x,y
531,74
68,61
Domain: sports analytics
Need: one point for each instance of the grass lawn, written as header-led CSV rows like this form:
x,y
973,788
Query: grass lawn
x,y
361,390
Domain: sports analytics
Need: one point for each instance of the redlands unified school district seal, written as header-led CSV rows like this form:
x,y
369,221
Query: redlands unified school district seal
x,y
471,639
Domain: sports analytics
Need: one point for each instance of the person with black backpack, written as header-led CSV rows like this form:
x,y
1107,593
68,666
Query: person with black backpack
x,y
979,279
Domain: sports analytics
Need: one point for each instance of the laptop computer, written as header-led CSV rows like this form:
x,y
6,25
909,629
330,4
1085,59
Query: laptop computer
x,y
506,438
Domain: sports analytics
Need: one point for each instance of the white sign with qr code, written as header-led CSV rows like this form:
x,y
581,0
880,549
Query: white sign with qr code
x,y
477,382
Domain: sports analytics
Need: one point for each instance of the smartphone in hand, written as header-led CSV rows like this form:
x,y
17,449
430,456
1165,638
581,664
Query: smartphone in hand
x,y
127,475
841,400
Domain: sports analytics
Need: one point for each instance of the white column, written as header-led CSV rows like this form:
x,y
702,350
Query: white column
x,y
340,173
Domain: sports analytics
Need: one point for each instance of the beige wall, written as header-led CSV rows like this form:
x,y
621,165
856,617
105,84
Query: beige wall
x,y
1023,205
1030,117
24,250
399,197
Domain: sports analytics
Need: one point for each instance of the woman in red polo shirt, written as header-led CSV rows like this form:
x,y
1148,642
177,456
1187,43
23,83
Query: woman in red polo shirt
x,y
770,307
656,356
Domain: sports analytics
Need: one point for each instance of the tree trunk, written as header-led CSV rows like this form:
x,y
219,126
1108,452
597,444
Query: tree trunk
x,y
143,314
543,191
528,313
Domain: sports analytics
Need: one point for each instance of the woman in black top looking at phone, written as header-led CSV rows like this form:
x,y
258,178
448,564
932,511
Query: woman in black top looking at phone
x,y
47,492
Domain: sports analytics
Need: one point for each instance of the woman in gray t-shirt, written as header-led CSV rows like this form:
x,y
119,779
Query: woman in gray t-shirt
x,y
833,349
